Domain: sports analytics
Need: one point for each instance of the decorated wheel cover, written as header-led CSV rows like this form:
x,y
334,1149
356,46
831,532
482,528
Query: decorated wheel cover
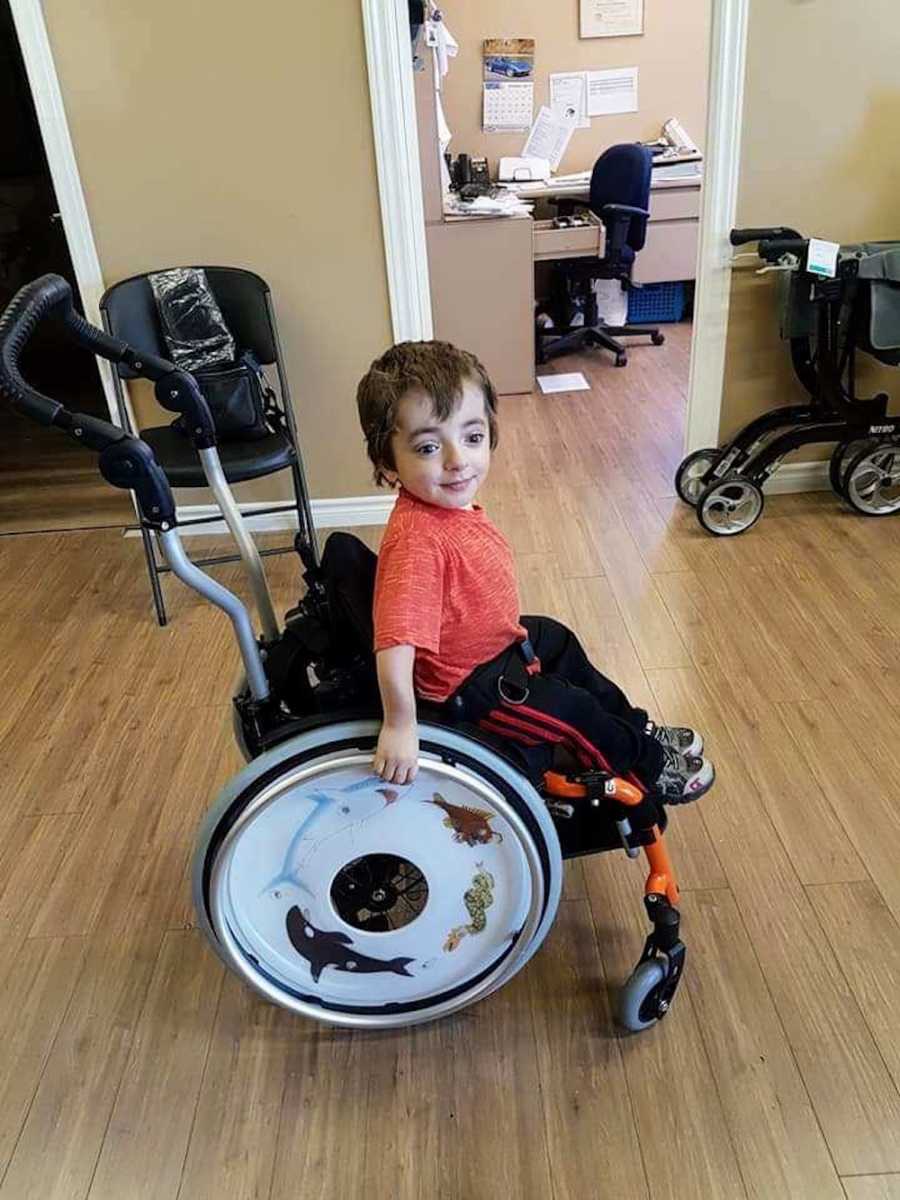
x,y
365,903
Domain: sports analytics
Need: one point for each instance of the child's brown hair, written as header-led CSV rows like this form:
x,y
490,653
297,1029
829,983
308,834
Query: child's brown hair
x,y
436,368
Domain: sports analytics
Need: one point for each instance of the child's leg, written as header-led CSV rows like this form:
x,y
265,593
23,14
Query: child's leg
x,y
555,709
561,654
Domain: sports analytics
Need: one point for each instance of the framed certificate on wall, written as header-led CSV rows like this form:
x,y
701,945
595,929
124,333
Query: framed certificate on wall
x,y
611,18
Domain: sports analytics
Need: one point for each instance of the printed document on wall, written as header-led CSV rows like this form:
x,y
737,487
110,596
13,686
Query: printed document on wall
x,y
614,91
549,137
568,97
611,18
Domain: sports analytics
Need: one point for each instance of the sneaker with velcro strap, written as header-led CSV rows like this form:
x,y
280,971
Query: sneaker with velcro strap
x,y
684,777
677,737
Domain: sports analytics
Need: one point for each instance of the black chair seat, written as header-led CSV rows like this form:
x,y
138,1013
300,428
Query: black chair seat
x,y
240,460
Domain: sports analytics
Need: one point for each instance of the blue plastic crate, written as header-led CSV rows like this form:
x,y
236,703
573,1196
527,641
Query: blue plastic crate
x,y
656,302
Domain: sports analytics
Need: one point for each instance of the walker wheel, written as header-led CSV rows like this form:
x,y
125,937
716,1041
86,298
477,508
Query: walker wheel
x,y
872,480
730,506
621,360
640,1003
657,338
840,458
689,477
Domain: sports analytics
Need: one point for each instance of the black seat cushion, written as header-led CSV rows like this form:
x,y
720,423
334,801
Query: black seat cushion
x,y
240,460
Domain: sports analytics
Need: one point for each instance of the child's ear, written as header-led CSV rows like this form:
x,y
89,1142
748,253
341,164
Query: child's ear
x,y
390,477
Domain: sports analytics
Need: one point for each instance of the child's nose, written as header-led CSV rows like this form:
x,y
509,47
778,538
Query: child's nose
x,y
453,458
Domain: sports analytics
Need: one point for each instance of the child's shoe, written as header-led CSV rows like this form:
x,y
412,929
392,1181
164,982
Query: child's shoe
x,y
677,737
684,777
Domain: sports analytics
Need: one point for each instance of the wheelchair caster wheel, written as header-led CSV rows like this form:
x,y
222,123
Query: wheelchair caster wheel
x,y
872,480
640,1001
730,506
621,360
842,455
657,338
689,477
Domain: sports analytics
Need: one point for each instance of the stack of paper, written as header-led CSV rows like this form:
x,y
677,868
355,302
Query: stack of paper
x,y
501,204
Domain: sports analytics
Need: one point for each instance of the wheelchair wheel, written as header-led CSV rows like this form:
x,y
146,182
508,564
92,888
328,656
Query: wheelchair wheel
x,y
364,904
872,480
730,506
841,456
689,476
638,1003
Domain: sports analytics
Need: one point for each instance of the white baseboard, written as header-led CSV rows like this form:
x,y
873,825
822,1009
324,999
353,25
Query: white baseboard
x,y
346,512
341,512
799,477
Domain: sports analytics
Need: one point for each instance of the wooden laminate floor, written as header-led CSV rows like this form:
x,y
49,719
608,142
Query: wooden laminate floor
x,y
134,1068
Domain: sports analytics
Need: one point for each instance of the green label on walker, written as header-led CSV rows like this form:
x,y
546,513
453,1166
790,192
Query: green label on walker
x,y
821,258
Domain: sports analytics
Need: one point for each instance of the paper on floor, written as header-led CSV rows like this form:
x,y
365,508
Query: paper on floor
x,y
573,382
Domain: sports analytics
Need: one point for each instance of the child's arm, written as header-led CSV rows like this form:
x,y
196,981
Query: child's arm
x,y
396,756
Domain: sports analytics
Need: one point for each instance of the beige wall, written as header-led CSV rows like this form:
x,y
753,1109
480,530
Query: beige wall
x,y
241,134
671,55
820,153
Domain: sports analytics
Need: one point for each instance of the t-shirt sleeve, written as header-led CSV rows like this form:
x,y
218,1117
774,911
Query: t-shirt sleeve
x,y
409,590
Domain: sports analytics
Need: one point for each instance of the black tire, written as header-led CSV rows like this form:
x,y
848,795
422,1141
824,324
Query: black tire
x,y
621,360
725,497
884,459
687,473
657,338
841,457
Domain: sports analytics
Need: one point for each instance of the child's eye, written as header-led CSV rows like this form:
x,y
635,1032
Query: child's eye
x,y
476,438
426,448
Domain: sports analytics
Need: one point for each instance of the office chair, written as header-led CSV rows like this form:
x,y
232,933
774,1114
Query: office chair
x,y
128,310
620,197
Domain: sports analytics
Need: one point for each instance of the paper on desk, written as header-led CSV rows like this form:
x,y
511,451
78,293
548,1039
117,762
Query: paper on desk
x,y
549,137
568,97
614,91
503,204
574,382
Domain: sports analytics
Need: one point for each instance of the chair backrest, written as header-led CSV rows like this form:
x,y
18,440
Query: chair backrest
x,y
621,175
129,309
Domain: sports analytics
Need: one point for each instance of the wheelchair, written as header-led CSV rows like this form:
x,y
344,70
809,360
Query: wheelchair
x,y
330,892
826,321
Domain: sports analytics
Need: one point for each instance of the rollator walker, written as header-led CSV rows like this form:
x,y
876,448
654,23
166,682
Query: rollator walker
x,y
827,320
330,892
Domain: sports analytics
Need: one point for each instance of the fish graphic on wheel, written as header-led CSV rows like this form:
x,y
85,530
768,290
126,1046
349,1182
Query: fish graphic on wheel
x,y
331,948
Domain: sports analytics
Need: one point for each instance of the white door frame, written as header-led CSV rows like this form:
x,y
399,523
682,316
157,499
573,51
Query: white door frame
x,y
28,18
386,24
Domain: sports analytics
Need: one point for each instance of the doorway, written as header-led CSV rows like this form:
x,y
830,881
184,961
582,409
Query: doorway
x,y
47,482
387,29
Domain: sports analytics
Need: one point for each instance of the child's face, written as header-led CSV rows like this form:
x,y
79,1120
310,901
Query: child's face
x,y
442,462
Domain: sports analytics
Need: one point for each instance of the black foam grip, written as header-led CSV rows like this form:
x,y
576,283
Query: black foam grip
x,y
741,237
50,295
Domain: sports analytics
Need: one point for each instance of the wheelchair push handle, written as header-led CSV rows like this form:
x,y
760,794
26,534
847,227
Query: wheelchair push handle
x,y
125,462
51,296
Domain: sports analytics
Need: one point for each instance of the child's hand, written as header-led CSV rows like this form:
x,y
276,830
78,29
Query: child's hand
x,y
397,753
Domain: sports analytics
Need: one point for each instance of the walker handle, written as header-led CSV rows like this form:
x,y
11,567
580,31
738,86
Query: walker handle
x,y
741,237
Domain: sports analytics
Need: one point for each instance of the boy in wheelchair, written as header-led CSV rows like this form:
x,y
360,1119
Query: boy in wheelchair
x,y
446,613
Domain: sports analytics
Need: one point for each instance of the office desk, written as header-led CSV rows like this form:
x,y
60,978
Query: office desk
x,y
670,251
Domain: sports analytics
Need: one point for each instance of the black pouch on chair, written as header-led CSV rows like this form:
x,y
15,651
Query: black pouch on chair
x,y
236,394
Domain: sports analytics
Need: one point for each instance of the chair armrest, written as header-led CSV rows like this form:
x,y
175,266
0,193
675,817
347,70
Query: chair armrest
x,y
623,209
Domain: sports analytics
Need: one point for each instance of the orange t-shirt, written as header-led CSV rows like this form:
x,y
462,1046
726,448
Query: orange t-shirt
x,y
446,584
